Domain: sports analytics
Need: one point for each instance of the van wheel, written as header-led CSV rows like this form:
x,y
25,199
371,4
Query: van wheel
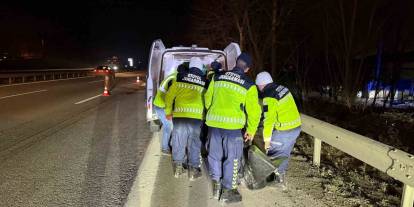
x,y
154,127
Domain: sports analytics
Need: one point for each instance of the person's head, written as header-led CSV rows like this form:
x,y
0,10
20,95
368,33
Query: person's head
x,y
216,66
263,79
182,68
244,62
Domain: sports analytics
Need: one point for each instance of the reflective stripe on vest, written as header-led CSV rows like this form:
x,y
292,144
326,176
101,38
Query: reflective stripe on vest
x,y
165,82
291,123
223,119
188,110
192,87
231,86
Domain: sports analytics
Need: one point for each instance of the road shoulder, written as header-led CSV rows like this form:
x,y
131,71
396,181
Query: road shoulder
x,y
156,186
143,186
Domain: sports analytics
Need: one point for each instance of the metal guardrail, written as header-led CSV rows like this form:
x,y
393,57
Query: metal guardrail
x,y
396,163
46,70
10,77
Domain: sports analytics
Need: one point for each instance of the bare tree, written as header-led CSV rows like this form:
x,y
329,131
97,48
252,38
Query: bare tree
x,y
254,24
348,51
328,41
212,24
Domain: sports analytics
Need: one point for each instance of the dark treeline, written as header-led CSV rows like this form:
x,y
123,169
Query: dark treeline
x,y
310,44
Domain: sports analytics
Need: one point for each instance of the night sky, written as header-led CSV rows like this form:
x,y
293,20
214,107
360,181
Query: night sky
x,y
95,28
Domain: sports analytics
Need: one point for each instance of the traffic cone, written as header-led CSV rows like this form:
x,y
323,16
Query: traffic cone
x,y
106,92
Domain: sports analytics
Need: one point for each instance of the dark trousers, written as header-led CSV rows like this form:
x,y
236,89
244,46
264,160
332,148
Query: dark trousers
x,y
225,154
186,135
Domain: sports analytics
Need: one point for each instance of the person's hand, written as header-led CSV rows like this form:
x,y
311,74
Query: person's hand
x,y
169,117
267,145
248,137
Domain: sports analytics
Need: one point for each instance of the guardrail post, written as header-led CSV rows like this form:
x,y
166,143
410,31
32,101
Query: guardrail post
x,y
10,80
407,196
44,77
317,146
34,78
23,78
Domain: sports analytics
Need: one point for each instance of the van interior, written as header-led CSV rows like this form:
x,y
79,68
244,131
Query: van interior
x,y
171,60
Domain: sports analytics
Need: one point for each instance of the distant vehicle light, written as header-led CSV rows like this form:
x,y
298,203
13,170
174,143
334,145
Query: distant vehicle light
x,y
131,62
115,67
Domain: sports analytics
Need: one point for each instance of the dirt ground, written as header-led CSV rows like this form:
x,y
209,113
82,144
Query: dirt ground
x,y
347,177
392,127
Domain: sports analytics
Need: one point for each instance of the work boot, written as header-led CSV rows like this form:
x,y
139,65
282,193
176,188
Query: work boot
x,y
166,152
278,180
216,189
194,173
185,166
178,170
230,196
283,182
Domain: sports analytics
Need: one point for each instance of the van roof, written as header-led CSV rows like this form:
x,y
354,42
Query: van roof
x,y
192,49
187,48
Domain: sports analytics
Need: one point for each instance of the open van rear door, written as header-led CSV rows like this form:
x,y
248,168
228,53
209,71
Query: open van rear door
x,y
232,51
154,69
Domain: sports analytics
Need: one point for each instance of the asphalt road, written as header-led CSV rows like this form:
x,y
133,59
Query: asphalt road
x,y
61,144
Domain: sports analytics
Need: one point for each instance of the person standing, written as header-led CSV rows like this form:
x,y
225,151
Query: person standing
x,y
281,125
185,107
159,106
232,103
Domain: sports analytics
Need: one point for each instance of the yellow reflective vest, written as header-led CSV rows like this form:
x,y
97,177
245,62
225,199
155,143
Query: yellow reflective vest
x,y
232,102
280,111
159,99
184,98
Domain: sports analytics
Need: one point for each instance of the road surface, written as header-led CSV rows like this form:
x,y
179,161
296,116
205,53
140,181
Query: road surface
x,y
57,150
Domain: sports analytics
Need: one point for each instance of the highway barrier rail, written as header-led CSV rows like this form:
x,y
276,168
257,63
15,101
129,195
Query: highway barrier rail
x,y
394,162
10,77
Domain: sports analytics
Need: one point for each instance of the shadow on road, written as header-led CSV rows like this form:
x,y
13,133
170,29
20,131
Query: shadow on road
x,y
120,138
98,155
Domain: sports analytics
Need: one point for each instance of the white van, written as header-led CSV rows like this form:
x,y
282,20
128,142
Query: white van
x,y
163,61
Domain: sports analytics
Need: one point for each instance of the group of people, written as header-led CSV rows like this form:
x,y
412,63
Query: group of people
x,y
228,103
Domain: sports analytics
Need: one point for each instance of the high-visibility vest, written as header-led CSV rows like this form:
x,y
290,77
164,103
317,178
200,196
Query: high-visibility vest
x,y
280,111
232,102
184,98
159,99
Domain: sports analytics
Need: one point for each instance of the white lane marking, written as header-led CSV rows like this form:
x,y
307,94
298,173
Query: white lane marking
x,y
143,187
21,94
88,99
95,81
18,84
